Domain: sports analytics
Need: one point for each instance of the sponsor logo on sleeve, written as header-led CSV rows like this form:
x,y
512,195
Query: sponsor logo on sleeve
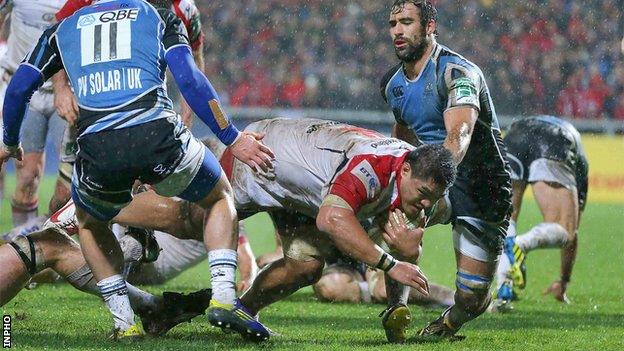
x,y
366,174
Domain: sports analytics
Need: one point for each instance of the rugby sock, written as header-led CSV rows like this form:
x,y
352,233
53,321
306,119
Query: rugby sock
x,y
141,300
511,230
23,213
115,294
131,248
222,272
501,270
543,235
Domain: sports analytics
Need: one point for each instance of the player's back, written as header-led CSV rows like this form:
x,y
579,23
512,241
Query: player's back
x,y
308,154
113,54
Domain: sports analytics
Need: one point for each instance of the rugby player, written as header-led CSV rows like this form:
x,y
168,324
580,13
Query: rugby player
x,y
128,130
65,102
326,178
545,152
29,18
439,97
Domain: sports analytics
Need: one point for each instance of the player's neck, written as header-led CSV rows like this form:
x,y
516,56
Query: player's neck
x,y
413,68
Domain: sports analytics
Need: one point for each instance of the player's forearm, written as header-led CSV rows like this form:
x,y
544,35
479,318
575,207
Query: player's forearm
x,y
199,93
568,257
25,82
457,142
60,80
348,235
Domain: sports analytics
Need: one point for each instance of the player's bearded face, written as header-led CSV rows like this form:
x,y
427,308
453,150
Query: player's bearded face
x,y
408,34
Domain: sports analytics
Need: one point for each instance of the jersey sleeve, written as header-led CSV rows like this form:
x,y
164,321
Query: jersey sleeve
x,y
45,56
358,183
70,7
463,85
175,32
191,18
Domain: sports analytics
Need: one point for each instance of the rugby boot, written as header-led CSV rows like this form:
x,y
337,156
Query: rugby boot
x,y
502,298
439,330
145,237
237,318
395,320
174,309
64,219
516,256
132,333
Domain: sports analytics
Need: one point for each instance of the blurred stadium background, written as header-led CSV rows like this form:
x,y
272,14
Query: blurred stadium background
x,y
325,58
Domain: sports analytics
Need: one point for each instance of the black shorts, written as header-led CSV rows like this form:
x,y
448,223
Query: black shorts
x,y
537,143
162,153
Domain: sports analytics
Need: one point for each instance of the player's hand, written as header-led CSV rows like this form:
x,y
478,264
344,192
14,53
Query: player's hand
x,y
402,236
186,114
6,153
243,284
249,150
558,290
411,275
65,103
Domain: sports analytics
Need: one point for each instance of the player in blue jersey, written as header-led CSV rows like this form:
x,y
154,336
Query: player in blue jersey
x,y
547,153
439,97
115,53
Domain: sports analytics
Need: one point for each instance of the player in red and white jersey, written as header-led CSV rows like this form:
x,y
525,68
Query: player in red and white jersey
x,y
332,176
327,177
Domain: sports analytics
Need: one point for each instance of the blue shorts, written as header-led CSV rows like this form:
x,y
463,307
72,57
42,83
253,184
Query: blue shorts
x,y
162,153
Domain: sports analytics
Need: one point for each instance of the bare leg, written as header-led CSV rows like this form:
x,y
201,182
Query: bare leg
x,y
61,195
278,280
25,200
13,277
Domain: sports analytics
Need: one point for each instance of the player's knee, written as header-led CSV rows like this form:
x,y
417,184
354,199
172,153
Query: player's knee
x,y
41,249
337,287
55,245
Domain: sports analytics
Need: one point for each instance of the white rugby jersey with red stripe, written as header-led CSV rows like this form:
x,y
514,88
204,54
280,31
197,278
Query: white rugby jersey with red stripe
x,y
315,159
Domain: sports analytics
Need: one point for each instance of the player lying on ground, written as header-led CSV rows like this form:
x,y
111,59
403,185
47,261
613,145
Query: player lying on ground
x,y
53,248
545,152
343,173
128,131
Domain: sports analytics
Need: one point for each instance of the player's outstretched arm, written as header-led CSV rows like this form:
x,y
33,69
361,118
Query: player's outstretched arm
x,y
345,230
203,99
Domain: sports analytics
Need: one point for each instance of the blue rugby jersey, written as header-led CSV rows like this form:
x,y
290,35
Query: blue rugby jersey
x,y
114,55
447,81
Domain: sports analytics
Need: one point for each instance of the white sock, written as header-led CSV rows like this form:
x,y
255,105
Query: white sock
x,y
511,230
542,236
140,299
115,294
131,248
501,270
223,274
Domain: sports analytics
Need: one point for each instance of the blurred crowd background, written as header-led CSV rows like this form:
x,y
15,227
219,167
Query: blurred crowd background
x,y
544,56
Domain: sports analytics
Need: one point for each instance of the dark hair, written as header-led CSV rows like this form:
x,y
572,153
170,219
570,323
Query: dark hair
x,y
165,4
433,162
428,12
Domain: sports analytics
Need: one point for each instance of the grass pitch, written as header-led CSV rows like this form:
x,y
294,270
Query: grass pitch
x,y
59,317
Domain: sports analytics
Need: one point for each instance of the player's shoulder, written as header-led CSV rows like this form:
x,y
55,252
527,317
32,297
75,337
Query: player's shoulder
x,y
447,60
386,78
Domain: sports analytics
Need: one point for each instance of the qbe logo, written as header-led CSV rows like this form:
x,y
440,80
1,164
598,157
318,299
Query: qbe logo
x,y
6,332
